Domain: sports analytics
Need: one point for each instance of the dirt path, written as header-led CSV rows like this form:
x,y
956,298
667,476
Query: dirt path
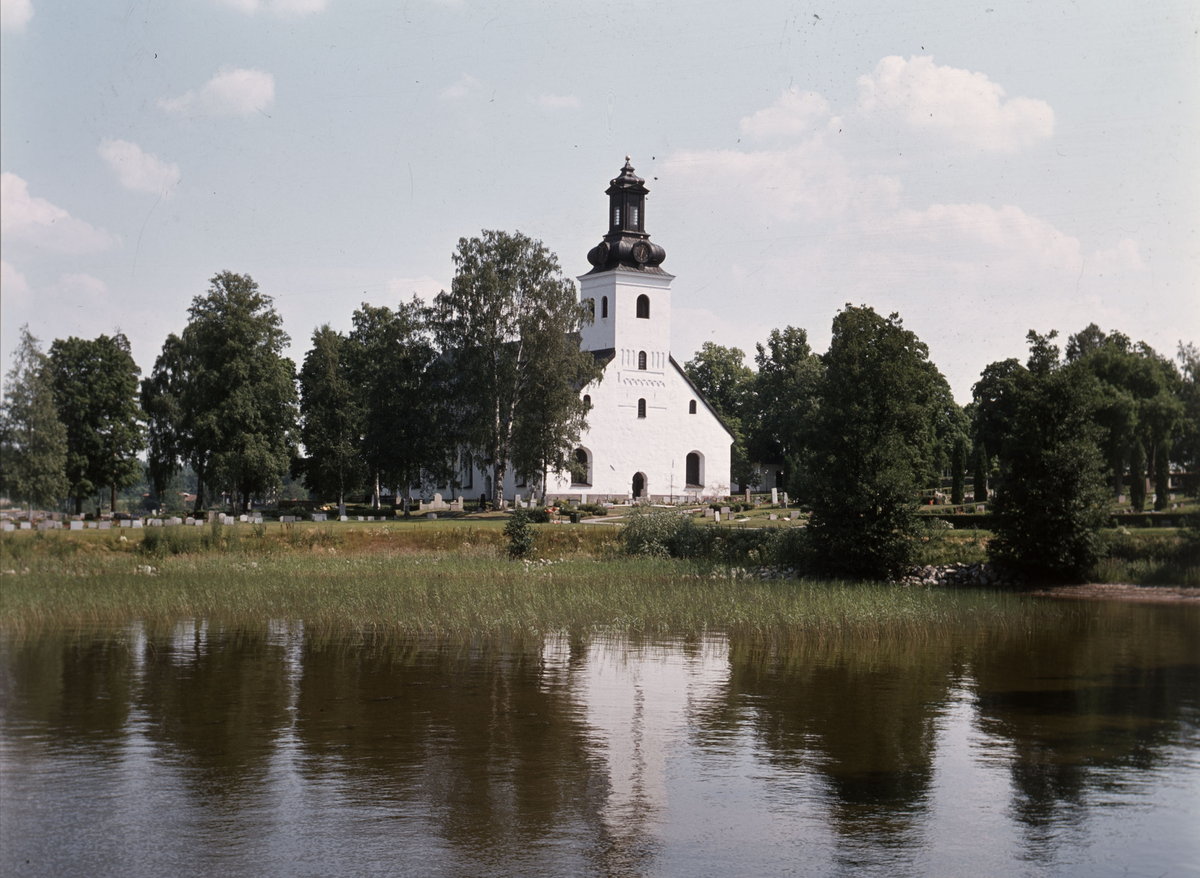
x,y
1146,594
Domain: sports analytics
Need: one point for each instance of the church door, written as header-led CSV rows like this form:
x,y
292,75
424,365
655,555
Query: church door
x,y
639,486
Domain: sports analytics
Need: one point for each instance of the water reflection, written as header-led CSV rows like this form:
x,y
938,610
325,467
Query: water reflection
x,y
280,751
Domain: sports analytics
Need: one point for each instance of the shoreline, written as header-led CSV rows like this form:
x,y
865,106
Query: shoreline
x,y
1141,594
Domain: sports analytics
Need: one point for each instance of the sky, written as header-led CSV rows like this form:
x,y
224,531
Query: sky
x,y
981,169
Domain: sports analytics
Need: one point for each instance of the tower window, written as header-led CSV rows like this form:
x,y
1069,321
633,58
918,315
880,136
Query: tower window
x,y
587,401
604,306
616,216
692,407
591,308
641,408
643,306
642,360
633,217
693,469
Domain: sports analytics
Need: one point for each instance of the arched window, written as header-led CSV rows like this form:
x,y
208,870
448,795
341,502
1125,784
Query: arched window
x,y
604,306
692,407
591,308
581,472
643,306
587,401
641,408
693,470
642,360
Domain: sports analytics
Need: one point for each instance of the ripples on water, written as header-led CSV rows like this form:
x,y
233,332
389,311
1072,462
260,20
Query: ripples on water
x,y
212,750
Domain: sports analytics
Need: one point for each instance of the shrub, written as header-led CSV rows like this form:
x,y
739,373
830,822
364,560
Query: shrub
x,y
520,533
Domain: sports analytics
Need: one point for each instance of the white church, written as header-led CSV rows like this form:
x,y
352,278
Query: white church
x,y
651,434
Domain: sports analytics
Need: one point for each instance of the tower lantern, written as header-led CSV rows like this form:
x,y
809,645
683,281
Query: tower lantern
x,y
627,244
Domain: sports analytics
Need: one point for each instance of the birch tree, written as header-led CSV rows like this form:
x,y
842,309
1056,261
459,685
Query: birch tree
x,y
507,295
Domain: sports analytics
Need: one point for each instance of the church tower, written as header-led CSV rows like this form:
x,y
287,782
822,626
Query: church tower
x,y
630,293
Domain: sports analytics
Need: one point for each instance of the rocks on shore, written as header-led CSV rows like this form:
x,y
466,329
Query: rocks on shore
x,y
951,575
978,574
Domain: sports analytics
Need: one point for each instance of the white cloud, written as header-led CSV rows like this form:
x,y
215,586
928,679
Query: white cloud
x,y
465,85
81,289
558,102
953,104
233,91
794,114
278,7
13,286
36,222
14,15
137,170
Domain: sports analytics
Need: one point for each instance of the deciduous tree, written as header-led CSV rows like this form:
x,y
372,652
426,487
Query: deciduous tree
x,y
785,394
33,441
232,391
721,374
331,420
507,293
390,361
871,443
1051,501
96,389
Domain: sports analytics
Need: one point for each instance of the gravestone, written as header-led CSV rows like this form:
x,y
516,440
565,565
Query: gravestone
x,y
370,518
137,523
125,522
709,512
343,518
773,517
243,518
76,525
457,505
1120,498
321,516
717,517
747,495
104,525
794,514
724,510
212,516
981,508
431,515
774,496
9,527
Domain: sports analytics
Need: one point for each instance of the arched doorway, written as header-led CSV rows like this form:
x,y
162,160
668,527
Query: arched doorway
x,y
639,485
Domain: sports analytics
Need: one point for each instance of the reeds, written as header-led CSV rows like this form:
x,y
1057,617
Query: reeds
x,y
471,596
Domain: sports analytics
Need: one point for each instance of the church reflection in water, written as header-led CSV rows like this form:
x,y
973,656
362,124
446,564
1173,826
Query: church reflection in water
x,y
280,751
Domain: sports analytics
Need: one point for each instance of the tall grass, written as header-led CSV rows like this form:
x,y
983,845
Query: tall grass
x,y
476,596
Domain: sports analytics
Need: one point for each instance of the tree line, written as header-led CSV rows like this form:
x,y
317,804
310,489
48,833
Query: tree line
x,y
490,374
862,429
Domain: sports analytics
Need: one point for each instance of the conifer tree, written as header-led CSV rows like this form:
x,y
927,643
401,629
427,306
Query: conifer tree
x,y
982,469
958,465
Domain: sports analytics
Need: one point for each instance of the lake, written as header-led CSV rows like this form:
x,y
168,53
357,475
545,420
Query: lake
x,y
203,749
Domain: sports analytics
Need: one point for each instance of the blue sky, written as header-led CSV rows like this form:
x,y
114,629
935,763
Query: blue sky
x,y
982,169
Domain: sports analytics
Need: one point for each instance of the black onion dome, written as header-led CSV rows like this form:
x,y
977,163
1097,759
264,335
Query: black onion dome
x,y
627,244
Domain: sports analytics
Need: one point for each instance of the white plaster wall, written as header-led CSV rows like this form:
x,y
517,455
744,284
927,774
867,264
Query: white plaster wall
x,y
623,328
622,444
